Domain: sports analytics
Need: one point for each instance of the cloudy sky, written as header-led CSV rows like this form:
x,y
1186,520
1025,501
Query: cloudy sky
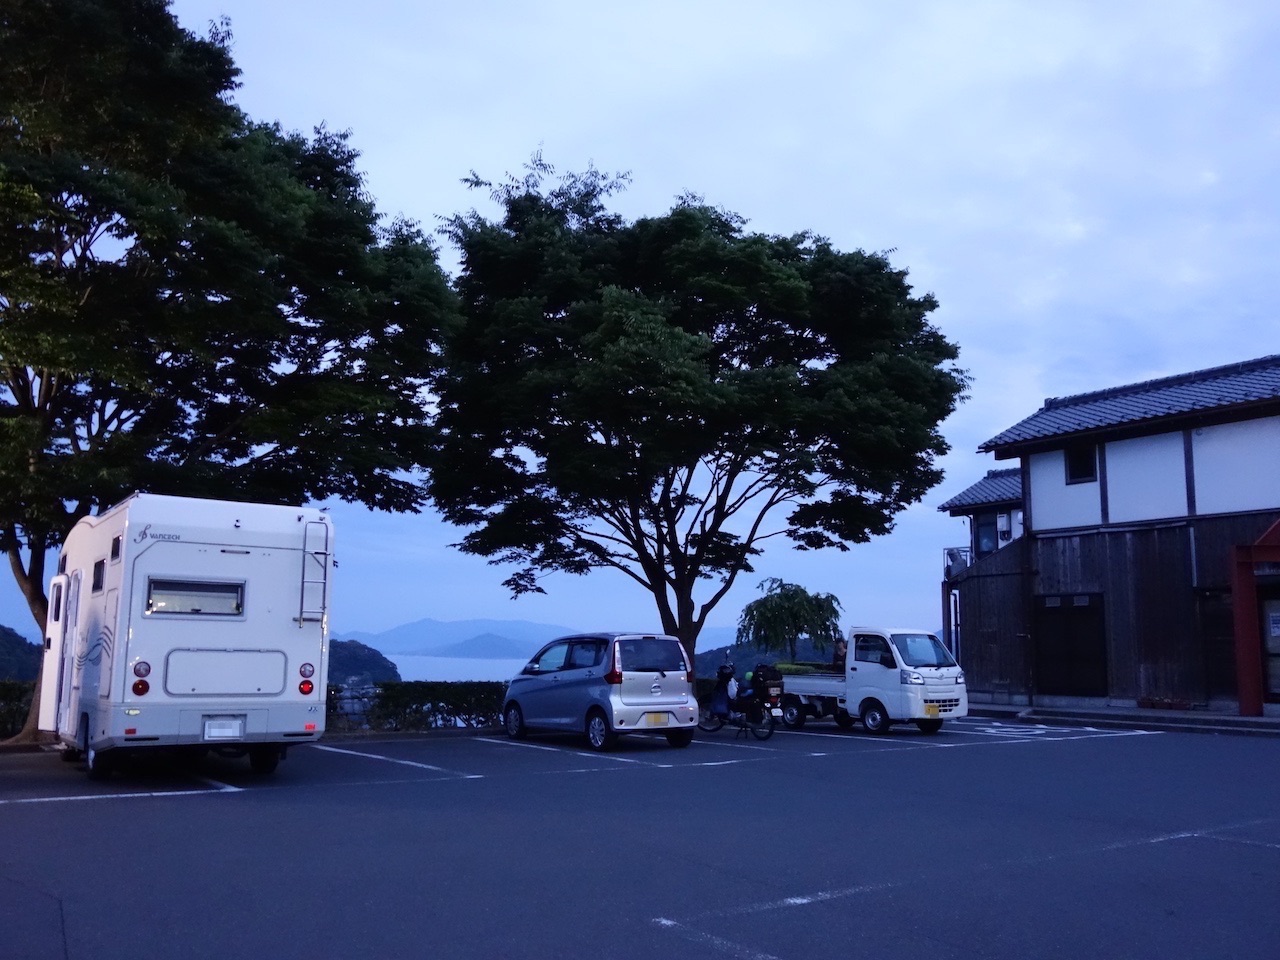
x,y
1089,188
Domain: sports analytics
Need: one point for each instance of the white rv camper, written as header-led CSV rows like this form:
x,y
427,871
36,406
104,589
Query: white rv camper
x,y
176,622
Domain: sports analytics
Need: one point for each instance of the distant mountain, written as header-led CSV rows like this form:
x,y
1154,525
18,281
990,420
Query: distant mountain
x,y
713,637
490,646
352,664
431,637
19,660
485,639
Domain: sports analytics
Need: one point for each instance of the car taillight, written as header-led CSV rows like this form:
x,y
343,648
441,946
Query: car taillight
x,y
305,687
140,687
615,669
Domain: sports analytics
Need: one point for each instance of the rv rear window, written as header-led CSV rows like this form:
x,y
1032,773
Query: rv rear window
x,y
194,597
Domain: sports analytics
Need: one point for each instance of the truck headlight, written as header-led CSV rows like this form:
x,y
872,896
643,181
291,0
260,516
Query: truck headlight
x,y
959,678
909,676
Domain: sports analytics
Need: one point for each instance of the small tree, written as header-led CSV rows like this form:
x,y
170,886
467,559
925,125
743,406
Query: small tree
x,y
786,613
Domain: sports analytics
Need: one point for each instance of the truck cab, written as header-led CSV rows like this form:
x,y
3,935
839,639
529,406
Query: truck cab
x,y
895,675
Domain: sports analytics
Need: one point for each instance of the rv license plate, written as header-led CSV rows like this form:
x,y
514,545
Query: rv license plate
x,y
930,709
227,728
656,719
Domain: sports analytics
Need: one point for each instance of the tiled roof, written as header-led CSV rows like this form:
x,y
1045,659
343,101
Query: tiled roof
x,y
1237,384
998,486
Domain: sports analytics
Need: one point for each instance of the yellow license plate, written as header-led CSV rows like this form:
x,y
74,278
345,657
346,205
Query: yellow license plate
x,y
656,719
930,709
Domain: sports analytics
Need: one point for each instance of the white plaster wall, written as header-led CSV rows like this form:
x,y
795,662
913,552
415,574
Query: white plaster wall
x,y
1237,466
1146,478
1055,504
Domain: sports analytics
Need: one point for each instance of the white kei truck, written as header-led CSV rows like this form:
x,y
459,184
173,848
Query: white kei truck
x,y
891,675
193,624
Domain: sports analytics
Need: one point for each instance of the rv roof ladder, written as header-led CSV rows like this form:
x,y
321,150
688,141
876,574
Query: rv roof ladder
x,y
313,596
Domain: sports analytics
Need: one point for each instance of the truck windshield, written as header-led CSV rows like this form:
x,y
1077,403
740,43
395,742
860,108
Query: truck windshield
x,y
922,650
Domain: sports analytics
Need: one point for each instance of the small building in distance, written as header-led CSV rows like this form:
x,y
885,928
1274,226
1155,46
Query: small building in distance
x,y
1132,557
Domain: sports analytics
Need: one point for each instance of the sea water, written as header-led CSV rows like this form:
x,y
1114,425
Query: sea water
x,y
414,667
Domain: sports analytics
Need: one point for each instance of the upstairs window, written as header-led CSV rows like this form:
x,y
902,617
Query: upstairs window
x,y
1082,463
984,534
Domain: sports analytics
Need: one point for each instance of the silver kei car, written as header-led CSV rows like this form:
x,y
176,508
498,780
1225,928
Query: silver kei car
x,y
605,685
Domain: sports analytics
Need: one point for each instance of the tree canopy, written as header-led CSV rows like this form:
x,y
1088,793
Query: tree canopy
x,y
787,612
191,301
665,395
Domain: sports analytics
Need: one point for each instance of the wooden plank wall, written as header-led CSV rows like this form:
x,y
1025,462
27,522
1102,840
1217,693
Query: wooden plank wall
x,y
1152,582
1162,594
994,630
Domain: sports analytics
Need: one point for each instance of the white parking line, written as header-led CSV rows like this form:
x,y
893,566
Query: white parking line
x,y
719,944
1005,734
215,787
406,763
570,750
994,739
685,928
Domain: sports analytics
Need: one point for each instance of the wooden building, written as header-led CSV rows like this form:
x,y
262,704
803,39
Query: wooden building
x,y
1136,559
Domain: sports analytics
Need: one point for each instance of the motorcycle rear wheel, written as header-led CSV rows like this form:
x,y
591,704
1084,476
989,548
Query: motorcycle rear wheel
x,y
708,721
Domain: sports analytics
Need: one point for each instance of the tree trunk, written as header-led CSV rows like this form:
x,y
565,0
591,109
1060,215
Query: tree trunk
x,y
30,581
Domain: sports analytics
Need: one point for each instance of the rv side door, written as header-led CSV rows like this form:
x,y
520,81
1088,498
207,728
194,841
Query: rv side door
x,y
55,634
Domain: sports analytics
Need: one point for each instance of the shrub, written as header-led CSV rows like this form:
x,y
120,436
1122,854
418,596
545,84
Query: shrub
x,y
802,668
15,702
433,704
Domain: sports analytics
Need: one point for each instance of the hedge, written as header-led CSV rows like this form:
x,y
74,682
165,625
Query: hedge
x,y
417,705
15,703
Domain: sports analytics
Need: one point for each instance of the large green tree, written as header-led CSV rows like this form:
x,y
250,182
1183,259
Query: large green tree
x,y
191,302
663,396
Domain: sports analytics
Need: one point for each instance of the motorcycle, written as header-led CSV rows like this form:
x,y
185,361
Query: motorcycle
x,y
757,708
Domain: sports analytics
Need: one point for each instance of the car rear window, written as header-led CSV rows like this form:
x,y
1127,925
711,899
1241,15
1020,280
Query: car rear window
x,y
650,654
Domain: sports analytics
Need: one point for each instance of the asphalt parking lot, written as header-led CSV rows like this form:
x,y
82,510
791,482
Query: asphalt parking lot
x,y
988,840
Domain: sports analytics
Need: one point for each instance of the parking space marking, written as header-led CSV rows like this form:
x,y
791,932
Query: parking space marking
x,y
406,763
572,751
995,739
215,787
719,944
993,733
686,928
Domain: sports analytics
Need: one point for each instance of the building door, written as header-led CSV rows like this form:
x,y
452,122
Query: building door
x,y
1217,634
1070,646
1270,598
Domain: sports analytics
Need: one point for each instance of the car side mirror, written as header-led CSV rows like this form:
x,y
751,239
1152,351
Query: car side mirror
x,y
530,670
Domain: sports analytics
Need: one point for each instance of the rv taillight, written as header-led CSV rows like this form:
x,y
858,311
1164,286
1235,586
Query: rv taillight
x,y
140,687
142,669
305,687
307,670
